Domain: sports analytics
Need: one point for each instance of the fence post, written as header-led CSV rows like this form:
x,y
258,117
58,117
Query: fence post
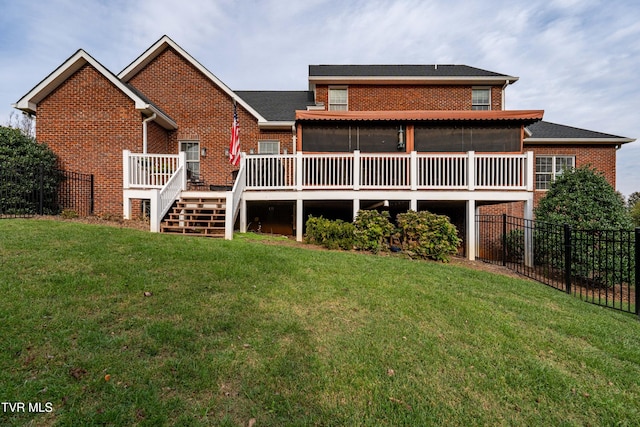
x,y
567,257
504,239
41,204
91,202
637,260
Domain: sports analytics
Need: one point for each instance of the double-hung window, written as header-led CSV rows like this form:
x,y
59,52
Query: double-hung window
x,y
550,167
192,150
338,99
481,99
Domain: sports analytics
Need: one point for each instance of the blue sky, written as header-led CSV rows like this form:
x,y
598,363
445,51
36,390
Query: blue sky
x,y
579,60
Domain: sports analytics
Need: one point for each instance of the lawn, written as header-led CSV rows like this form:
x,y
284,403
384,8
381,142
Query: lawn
x,y
111,326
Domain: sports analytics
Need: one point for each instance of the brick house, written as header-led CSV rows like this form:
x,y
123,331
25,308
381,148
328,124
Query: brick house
x,y
361,137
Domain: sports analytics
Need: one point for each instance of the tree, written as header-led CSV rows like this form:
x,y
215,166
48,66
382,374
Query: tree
x,y
634,207
583,199
26,167
24,122
635,214
633,199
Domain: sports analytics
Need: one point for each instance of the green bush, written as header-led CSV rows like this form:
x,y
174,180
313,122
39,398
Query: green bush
x,y
583,199
25,161
515,246
373,230
427,235
335,234
635,214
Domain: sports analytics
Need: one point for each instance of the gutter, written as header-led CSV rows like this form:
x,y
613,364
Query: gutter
x,y
144,131
504,97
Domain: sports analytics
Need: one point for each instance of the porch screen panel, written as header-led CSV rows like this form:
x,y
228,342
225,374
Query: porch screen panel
x,y
376,139
439,139
332,139
483,139
495,139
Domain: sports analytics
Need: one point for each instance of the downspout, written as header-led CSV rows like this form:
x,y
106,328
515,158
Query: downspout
x,y
504,98
144,132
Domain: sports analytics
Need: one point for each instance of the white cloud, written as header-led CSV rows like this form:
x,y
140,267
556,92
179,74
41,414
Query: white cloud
x,y
576,59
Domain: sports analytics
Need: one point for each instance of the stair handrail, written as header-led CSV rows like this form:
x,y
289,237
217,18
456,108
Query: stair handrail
x,y
234,197
163,199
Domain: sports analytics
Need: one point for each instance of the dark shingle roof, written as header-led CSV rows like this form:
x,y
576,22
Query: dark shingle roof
x,y
277,105
549,130
399,71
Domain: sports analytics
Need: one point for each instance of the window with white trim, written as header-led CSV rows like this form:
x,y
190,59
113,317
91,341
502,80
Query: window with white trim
x,y
269,147
481,99
338,99
192,150
550,167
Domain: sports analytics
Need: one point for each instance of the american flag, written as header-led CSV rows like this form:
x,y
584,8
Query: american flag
x,y
234,146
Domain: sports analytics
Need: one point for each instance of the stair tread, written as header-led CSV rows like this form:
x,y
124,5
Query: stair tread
x,y
196,216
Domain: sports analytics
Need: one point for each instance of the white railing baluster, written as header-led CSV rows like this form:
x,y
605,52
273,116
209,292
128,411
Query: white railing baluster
x,y
415,171
148,170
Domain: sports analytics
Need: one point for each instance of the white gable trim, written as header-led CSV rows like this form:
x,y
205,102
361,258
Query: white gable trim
x,y
158,47
29,102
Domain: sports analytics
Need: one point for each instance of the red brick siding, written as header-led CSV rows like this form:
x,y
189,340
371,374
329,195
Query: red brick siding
x,y
602,158
409,97
203,112
87,122
158,139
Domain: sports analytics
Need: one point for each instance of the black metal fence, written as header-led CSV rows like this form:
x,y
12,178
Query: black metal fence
x,y
598,266
25,192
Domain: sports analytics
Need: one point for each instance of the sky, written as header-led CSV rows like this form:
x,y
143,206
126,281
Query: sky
x,y
578,60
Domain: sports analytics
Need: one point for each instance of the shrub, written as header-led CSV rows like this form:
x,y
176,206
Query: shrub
x,y
335,234
427,235
514,241
373,230
635,214
69,214
26,162
583,199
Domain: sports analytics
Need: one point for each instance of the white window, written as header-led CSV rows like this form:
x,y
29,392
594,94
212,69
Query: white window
x,y
192,150
481,99
338,99
550,167
268,147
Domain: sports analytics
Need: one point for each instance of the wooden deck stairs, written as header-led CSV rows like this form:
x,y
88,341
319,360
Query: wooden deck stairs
x,y
198,216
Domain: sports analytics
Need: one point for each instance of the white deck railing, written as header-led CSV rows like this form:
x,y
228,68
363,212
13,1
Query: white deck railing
x,y
414,171
148,170
160,178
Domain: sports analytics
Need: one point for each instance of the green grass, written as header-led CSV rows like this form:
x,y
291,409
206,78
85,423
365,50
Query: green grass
x,y
240,329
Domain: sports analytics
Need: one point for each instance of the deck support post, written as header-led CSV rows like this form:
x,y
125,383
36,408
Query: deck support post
x,y
528,233
299,219
471,230
154,208
126,208
356,208
243,215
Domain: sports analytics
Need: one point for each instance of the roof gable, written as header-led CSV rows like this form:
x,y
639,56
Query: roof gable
x,y
29,102
164,43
